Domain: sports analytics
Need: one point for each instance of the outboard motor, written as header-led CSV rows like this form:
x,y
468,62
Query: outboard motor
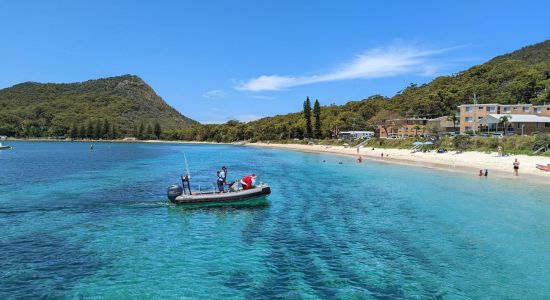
x,y
174,191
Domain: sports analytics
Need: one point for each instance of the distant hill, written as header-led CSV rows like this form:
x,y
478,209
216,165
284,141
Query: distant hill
x,y
522,76
51,109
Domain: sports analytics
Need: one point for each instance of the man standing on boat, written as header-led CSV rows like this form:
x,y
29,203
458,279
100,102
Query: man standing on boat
x,y
248,181
222,176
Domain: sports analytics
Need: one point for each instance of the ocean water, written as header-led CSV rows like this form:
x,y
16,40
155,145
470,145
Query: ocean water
x,y
76,223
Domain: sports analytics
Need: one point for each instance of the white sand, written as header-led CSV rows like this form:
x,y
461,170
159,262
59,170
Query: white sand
x,y
470,162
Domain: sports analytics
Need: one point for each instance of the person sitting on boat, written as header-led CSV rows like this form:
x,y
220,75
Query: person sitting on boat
x,y
248,181
222,175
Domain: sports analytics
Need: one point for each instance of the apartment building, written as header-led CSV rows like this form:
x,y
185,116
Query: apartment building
x,y
523,118
401,128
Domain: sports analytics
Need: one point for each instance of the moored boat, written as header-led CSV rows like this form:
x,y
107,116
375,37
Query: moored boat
x,y
176,195
5,147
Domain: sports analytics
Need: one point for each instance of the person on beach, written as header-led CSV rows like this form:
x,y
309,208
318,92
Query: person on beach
x,y
516,166
486,173
480,173
382,154
222,175
359,159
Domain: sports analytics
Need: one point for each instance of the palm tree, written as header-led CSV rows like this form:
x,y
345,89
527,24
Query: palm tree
x,y
416,127
505,121
454,118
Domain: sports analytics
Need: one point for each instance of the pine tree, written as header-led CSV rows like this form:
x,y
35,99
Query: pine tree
x,y
114,133
97,130
89,130
106,129
149,131
141,130
307,116
317,117
82,131
157,130
74,131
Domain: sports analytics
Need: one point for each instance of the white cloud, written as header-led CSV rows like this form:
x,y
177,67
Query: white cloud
x,y
242,118
374,63
215,94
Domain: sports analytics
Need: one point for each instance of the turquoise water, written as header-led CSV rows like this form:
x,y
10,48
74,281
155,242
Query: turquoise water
x,y
81,224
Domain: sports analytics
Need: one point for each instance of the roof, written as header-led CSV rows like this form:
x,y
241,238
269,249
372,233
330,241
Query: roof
x,y
357,131
495,118
497,104
444,121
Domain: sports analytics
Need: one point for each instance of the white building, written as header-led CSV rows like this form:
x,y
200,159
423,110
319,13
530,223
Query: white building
x,y
355,135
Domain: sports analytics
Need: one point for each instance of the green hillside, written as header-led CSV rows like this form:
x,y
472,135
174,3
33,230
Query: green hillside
x,y
522,76
119,103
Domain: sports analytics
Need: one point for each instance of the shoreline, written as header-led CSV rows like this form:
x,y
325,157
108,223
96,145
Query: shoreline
x,y
469,162
466,162
113,141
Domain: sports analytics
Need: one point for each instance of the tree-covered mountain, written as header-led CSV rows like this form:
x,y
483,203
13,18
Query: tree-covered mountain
x,y
121,104
522,76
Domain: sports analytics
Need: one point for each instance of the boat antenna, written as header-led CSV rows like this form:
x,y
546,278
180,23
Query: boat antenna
x,y
188,174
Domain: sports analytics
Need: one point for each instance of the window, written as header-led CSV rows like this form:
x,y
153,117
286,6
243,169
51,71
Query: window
x,y
546,125
481,107
479,118
469,109
468,119
468,128
539,125
507,109
526,109
490,108
519,125
537,110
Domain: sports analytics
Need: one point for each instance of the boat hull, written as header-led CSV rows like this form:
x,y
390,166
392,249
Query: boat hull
x,y
221,198
543,168
5,147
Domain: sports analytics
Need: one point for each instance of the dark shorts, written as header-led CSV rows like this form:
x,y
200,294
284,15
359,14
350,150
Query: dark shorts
x,y
220,185
516,167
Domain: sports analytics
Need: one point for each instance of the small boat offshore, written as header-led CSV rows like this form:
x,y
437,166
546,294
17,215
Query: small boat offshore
x,y
180,195
5,147
235,194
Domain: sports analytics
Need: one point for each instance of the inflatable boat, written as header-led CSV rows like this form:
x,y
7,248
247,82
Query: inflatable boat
x,y
177,195
5,147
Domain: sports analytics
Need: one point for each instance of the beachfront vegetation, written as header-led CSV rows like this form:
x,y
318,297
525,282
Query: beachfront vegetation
x,y
516,144
131,107
519,77
109,107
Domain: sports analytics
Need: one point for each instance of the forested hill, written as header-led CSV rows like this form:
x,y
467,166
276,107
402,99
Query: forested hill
x,y
122,103
522,76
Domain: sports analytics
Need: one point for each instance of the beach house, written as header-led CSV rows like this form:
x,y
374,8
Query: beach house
x,y
522,118
355,135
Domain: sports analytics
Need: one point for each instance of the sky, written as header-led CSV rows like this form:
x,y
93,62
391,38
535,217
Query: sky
x,y
220,60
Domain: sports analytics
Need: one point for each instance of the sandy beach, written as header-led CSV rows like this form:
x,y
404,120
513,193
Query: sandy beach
x,y
470,162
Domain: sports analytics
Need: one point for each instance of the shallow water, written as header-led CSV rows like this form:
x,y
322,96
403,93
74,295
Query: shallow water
x,y
82,224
